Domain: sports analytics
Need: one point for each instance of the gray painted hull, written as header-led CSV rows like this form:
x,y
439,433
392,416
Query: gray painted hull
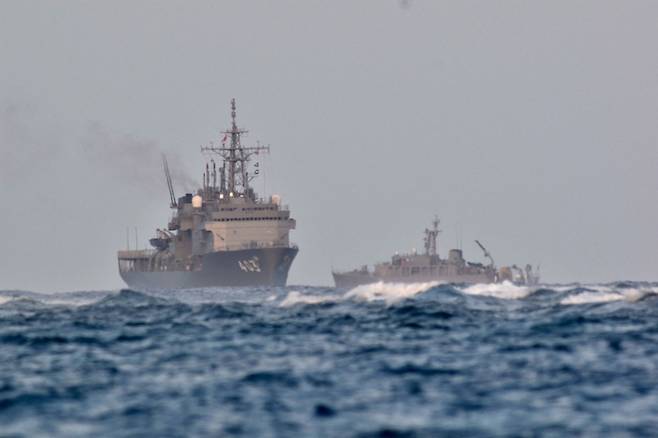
x,y
353,279
225,268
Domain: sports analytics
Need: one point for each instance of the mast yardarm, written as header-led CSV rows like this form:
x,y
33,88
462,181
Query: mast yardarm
x,y
235,178
430,238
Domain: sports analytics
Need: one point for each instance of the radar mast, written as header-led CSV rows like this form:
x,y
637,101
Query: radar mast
x,y
234,174
430,238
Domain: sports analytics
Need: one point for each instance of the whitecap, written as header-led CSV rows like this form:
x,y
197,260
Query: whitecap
x,y
605,294
505,290
389,292
73,302
591,297
295,297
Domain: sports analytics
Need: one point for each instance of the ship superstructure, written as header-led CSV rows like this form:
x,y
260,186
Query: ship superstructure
x,y
222,235
429,266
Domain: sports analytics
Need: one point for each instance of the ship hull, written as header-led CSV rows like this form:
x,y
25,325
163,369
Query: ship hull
x,y
248,267
353,279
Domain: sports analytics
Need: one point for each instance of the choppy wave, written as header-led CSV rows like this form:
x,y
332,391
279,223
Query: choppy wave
x,y
605,294
295,297
383,359
505,290
53,299
388,293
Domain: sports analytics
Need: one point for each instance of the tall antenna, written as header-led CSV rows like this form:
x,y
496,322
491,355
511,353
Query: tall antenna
x,y
264,175
207,180
222,178
214,175
431,236
461,236
170,186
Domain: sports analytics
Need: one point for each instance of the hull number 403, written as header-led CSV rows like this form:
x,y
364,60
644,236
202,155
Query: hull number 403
x,y
250,265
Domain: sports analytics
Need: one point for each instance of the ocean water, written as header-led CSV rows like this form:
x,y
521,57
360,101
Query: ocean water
x,y
381,360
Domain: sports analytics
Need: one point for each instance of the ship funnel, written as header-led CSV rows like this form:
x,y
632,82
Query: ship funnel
x,y
276,199
197,201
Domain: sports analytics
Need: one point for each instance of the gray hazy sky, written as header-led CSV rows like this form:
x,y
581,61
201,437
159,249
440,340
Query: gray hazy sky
x,y
532,126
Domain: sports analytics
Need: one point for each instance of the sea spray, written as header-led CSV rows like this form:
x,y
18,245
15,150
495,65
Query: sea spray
x,y
295,297
504,290
388,292
377,360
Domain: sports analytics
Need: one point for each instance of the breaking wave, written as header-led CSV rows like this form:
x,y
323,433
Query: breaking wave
x,y
54,299
320,361
606,294
294,297
389,292
505,290
392,293
591,297
386,293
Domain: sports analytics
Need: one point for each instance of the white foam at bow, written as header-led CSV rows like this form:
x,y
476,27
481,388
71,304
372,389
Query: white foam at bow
x,y
389,292
4,300
505,290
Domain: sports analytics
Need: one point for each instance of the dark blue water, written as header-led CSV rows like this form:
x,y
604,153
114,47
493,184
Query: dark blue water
x,y
381,360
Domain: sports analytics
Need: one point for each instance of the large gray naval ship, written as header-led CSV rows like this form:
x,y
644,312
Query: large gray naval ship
x,y
426,267
222,235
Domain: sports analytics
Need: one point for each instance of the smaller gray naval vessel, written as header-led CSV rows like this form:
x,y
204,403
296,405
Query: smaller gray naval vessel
x,y
222,235
429,266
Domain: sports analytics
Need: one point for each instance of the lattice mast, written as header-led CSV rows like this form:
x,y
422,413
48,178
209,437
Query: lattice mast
x,y
234,173
430,238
